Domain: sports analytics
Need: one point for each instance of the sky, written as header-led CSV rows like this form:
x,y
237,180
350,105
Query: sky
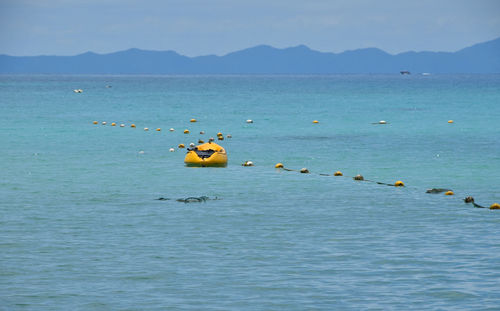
x,y
203,27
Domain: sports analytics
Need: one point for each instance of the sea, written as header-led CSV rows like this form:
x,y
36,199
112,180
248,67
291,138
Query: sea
x,y
82,226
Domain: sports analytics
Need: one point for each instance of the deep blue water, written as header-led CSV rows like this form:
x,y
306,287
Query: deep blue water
x,y
81,229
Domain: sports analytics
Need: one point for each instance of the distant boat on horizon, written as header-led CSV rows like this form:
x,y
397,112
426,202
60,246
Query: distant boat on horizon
x,y
405,72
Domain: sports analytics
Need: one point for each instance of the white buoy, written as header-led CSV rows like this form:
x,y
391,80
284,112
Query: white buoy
x,y
249,121
171,129
122,125
382,122
171,149
141,152
191,145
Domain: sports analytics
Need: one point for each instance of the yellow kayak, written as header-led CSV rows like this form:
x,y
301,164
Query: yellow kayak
x,y
208,154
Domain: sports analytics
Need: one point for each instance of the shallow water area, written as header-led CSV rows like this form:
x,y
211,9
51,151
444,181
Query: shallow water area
x,y
81,225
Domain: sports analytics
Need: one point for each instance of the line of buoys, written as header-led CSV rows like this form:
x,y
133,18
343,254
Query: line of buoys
x,y
398,183
470,199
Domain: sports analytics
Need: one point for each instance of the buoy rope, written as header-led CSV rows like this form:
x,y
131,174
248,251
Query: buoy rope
x,y
433,190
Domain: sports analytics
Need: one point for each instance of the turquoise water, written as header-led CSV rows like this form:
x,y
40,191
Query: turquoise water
x,y
81,228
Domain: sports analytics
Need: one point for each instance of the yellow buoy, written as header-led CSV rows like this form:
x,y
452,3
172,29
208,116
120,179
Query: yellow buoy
x,y
279,165
449,193
113,124
192,120
338,173
132,125
450,121
186,131
399,183
495,206
220,137
181,146
95,122
219,134
146,129
158,129
315,121
200,141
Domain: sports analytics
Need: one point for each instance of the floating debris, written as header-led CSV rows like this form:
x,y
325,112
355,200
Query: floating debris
x,y
437,190
203,198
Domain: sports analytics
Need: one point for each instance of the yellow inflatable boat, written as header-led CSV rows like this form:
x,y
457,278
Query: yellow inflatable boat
x,y
208,154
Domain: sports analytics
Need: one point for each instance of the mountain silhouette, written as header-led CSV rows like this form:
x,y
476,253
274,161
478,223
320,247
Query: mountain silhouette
x,y
262,59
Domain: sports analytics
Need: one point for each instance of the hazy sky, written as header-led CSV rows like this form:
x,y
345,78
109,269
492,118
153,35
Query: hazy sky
x,y
201,27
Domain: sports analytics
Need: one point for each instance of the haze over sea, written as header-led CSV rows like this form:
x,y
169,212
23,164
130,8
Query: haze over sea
x,y
82,229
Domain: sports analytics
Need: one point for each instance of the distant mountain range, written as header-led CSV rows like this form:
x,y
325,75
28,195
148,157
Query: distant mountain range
x,y
262,59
